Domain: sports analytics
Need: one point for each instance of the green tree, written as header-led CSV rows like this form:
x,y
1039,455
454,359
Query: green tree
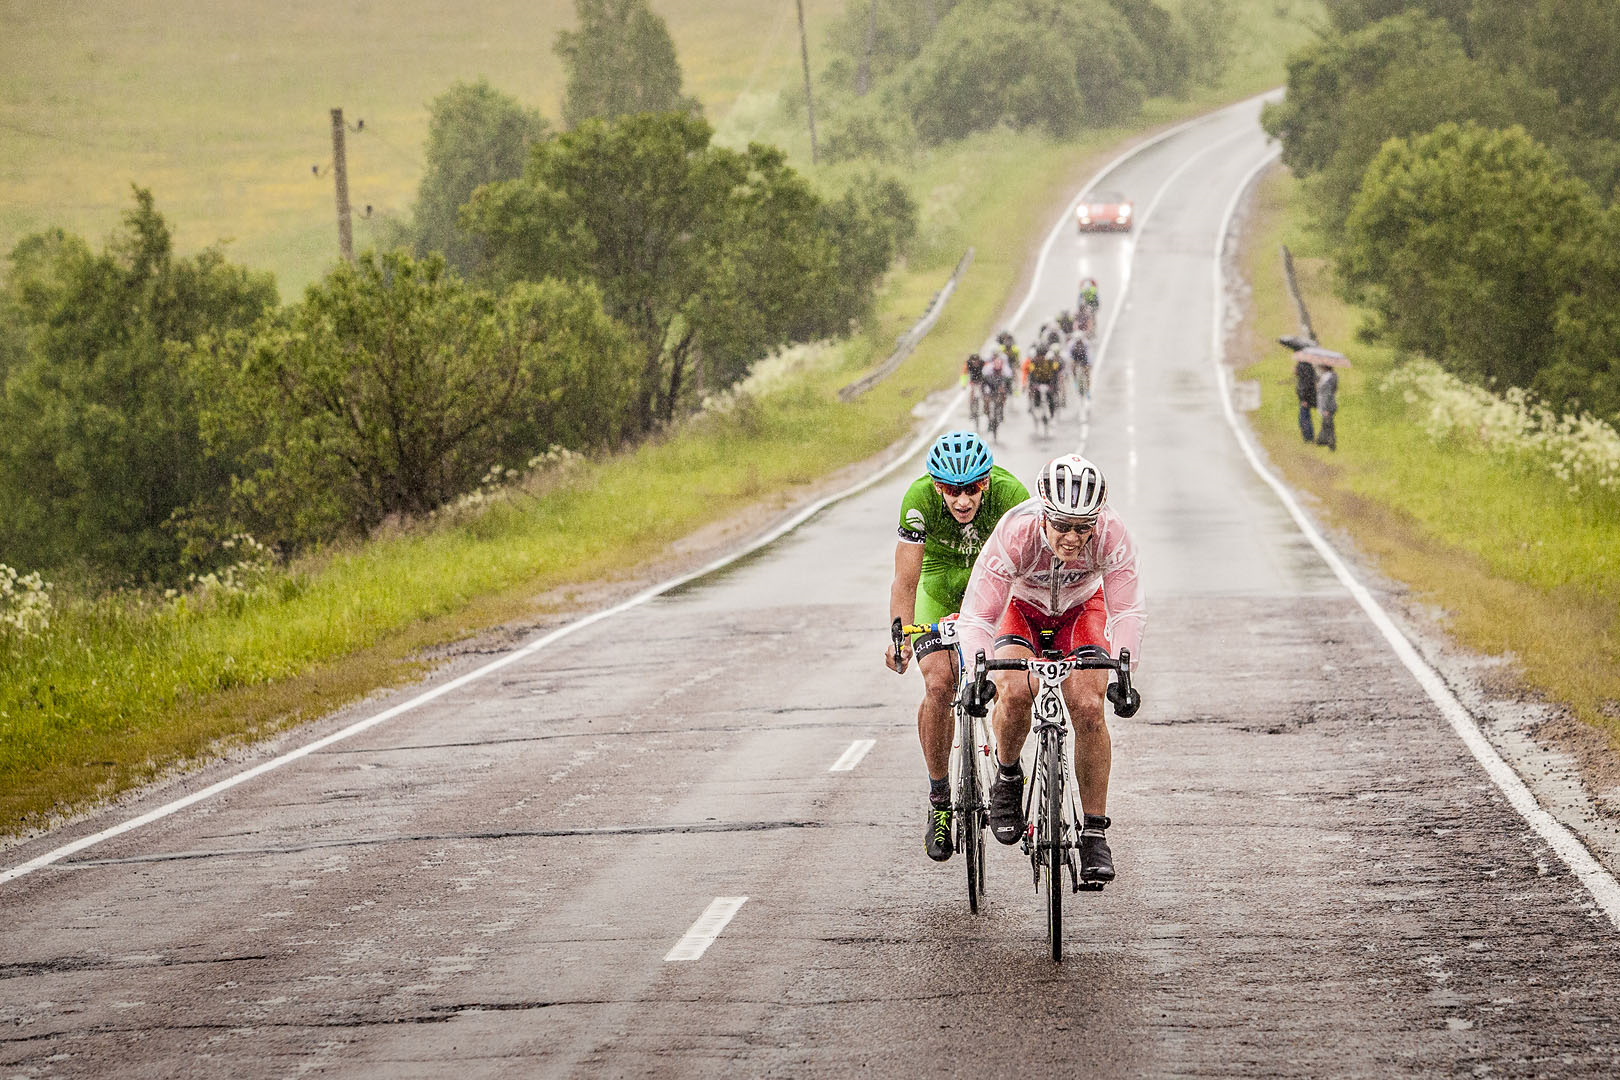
x,y
1015,62
711,257
988,65
1462,242
620,60
1209,27
395,386
476,135
1324,76
879,37
1351,15
1569,46
1166,52
1397,78
1585,370
102,443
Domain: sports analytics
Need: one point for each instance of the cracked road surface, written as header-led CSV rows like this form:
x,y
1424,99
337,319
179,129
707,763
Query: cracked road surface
x,y
1315,877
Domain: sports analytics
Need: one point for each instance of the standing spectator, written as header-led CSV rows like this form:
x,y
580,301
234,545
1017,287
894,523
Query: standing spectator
x,y
1327,403
1305,388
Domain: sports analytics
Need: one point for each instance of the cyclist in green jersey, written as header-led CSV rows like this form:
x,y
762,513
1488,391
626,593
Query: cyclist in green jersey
x,y
945,518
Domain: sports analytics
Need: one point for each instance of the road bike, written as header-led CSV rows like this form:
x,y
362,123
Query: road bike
x,y
1052,835
1082,380
995,405
970,770
1042,405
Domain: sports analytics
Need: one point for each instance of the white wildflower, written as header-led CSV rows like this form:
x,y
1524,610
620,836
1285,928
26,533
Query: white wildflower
x,y
25,602
1582,452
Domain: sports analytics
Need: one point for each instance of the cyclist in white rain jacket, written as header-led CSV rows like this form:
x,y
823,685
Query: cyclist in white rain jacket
x,y
1061,561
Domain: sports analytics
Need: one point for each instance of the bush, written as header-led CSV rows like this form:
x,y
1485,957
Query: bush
x,y
102,444
394,387
1439,245
710,256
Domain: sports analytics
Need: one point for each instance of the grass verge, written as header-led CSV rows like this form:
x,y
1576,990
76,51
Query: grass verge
x,y
1519,568
123,689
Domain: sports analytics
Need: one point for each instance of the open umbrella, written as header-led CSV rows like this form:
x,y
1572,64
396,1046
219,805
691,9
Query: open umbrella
x,y
1322,357
1296,341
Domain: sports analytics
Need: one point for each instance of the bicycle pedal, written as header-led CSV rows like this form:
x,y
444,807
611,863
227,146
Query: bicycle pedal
x,y
1089,886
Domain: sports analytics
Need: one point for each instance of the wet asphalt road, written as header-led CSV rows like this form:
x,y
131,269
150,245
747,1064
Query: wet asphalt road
x,y
1316,879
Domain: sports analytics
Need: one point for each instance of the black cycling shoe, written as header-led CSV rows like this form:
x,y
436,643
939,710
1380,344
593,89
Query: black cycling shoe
x,y
937,842
1007,808
1096,861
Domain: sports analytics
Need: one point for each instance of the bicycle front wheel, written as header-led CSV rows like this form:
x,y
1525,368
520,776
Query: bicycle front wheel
x,y
969,834
1056,853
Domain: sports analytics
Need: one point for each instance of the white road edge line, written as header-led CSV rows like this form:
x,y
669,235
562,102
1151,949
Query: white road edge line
x,y
912,450
852,756
706,929
1599,882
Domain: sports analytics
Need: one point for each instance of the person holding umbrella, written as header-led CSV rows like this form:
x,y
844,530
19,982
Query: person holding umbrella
x,y
1305,390
1327,403
1325,390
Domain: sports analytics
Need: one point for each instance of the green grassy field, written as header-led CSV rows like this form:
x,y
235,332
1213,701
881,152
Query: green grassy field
x,y
119,692
222,106
1519,567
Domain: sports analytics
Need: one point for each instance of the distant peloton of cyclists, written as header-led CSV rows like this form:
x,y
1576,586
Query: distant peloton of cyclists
x,y
1059,356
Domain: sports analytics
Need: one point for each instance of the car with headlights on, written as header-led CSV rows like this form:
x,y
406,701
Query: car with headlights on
x,y
1105,211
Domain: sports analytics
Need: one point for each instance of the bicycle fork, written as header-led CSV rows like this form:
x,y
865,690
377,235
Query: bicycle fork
x,y
1043,850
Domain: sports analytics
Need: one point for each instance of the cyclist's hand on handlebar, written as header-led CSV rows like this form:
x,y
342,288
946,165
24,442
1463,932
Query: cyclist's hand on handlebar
x,y
897,664
1124,706
977,696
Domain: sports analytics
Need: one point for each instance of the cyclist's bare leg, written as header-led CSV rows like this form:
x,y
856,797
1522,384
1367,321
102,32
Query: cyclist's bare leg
x,y
934,716
1013,700
1083,693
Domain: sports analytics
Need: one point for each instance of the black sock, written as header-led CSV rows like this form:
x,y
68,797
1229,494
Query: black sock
x,y
1011,772
939,791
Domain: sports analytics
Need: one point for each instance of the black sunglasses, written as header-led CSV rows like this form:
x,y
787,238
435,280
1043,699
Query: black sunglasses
x,y
1061,526
951,491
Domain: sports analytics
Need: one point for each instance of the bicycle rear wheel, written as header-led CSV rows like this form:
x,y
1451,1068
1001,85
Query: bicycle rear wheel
x,y
1056,853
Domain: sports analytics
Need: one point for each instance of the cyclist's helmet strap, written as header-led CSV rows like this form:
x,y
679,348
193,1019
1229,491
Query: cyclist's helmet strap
x,y
1072,487
959,457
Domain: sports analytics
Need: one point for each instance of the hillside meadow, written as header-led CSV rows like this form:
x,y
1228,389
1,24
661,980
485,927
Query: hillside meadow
x,y
222,106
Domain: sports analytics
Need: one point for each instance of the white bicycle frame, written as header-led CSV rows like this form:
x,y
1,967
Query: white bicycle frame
x,y
1049,707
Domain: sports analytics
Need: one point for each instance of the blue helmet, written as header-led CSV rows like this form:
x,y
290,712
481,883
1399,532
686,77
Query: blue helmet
x,y
959,457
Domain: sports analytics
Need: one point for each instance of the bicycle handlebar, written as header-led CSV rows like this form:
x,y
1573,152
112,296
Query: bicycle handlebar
x,y
1125,699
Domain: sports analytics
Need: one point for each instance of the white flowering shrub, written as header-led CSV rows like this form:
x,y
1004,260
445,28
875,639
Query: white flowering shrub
x,y
1581,451
25,602
501,482
252,574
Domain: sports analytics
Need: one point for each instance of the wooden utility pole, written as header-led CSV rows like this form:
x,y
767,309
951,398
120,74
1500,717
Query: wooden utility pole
x,y
340,176
809,104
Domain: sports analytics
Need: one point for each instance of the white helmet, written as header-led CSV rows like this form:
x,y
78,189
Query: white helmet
x,y
1072,487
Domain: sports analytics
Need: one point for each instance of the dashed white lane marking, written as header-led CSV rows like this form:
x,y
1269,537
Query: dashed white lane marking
x,y
852,756
1599,882
911,451
706,929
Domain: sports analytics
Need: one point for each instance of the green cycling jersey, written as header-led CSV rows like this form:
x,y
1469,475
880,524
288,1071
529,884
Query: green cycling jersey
x,y
949,546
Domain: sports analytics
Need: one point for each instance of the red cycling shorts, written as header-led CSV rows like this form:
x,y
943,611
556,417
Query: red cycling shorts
x,y
1085,624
